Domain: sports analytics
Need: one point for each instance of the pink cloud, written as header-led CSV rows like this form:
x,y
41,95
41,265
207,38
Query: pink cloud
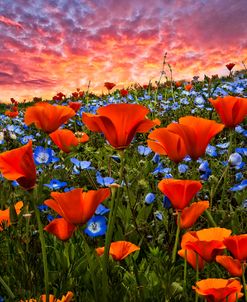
x,y
10,22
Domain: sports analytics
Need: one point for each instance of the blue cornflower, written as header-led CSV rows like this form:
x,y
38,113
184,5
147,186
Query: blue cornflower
x,y
104,181
56,184
101,210
144,150
96,226
149,198
42,155
182,168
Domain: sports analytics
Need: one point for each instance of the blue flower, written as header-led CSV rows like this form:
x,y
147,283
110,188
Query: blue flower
x,y
239,176
223,146
49,217
144,150
43,208
96,226
161,169
56,184
156,158
204,170
182,168
242,151
235,159
158,215
149,198
42,155
116,158
166,202
101,210
104,181
211,151
239,187
1,299
80,165
68,189
25,139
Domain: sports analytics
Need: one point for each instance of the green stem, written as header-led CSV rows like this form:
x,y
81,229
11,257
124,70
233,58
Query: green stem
x,y
244,282
42,242
185,269
174,252
210,218
6,287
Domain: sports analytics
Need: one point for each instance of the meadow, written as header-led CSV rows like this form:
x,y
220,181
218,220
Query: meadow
x,y
134,195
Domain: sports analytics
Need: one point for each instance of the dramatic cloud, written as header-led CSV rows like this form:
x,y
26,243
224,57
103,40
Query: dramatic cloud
x,y
58,45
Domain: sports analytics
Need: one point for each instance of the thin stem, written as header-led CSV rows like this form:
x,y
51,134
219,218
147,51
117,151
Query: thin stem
x,y
174,252
210,218
42,242
244,282
6,287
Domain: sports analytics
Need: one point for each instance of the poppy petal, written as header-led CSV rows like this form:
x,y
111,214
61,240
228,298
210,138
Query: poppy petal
x,y
190,214
62,229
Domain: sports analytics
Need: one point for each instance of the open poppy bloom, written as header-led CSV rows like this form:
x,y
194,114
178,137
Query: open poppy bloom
x,y
230,66
190,214
109,85
18,164
5,214
233,266
196,133
231,109
47,117
165,142
237,245
179,192
190,255
52,298
76,208
11,114
119,249
219,290
119,123
75,106
209,242
65,139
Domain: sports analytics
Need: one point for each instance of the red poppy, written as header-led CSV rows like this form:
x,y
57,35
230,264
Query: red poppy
x,y
233,266
231,109
180,192
119,249
190,214
119,123
5,214
124,92
47,117
52,298
230,66
219,290
109,85
66,139
209,242
75,106
164,142
190,254
237,245
11,114
76,208
196,133
18,164
188,87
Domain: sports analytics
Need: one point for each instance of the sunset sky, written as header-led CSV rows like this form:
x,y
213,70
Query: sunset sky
x,y
48,46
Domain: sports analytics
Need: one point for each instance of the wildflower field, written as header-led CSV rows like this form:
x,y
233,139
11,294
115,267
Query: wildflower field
x,y
135,195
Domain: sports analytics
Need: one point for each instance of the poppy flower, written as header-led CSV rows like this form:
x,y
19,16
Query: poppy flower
x,y
52,298
196,133
190,214
188,87
5,214
209,242
18,164
231,109
75,106
124,92
76,208
119,123
219,290
230,66
119,249
180,192
233,266
65,139
109,85
237,245
164,142
190,254
11,114
47,117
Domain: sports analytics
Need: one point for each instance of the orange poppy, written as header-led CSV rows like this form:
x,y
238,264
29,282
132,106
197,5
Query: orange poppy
x,y
62,229
190,214
188,87
119,249
109,85
75,106
47,117
219,290
119,123
180,192
196,133
190,254
231,109
209,242
65,139
18,164
233,266
237,245
5,214
164,142
52,298
11,114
